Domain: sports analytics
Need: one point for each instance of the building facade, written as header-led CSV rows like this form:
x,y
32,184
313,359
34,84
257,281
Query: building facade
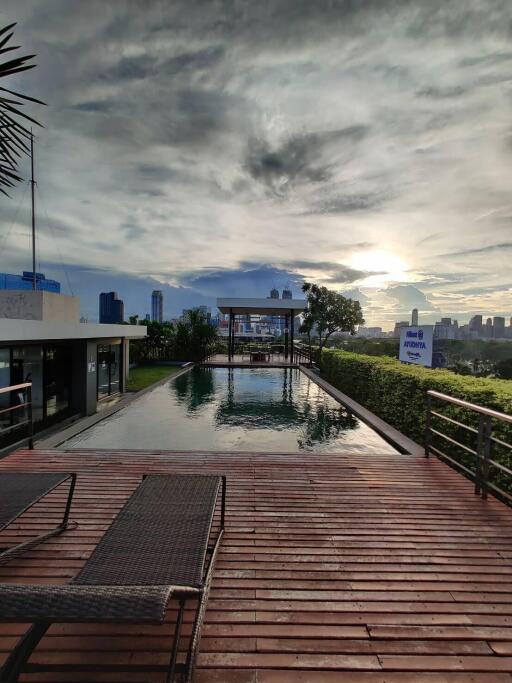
x,y
26,281
111,308
72,365
157,306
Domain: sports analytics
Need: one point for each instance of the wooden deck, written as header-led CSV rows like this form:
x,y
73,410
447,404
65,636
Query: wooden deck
x,y
345,569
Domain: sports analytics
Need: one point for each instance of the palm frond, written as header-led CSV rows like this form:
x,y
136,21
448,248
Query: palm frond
x,y
14,131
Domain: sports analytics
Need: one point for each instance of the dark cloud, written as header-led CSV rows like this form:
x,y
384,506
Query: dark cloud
x,y
479,250
133,231
300,159
157,173
351,203
94,106
249,279
438,93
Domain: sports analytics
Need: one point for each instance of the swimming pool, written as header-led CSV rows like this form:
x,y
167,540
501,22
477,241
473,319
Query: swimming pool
x,y
235,409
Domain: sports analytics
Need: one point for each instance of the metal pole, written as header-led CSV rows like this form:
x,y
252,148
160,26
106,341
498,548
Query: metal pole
x,y
427,426
479,454
286,337
33,184
30,419
233,338
229,333
486,454
292,324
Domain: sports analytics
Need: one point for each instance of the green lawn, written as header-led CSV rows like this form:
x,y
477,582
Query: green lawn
x,y
142,377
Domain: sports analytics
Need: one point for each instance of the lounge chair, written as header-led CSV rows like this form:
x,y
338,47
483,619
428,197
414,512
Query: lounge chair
x,y
18,492
156,548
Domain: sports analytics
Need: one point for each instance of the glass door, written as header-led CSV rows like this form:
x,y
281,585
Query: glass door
x,y
109,370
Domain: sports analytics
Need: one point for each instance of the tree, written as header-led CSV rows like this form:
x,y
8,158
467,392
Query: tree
x,y
504,368
328,312
14,134
195,336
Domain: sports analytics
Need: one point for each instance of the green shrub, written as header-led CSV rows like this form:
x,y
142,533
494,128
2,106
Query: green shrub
x,y
397,393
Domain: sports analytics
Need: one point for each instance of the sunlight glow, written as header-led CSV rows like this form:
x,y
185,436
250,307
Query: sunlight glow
x,y
388,267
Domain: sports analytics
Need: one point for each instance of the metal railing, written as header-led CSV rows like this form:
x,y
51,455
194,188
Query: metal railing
x,y
482,445
25,406
306,354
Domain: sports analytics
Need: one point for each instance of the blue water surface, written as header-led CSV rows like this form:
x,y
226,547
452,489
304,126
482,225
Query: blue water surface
x,y
235,409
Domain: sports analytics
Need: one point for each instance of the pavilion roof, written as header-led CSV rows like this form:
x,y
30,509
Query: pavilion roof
x,y
249,306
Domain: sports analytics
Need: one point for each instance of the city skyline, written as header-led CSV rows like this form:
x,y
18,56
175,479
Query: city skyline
x,y
321,147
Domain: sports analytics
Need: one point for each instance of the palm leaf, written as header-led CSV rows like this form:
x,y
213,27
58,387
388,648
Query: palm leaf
x,y
14,133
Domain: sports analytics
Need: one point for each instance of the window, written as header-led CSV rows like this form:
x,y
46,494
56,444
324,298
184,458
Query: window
x,y
57,378
5,381
27,366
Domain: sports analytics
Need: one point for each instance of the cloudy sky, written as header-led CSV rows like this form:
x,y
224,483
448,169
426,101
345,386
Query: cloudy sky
x,y
222,147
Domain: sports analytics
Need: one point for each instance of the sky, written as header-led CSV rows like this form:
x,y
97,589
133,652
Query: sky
x,y
219,148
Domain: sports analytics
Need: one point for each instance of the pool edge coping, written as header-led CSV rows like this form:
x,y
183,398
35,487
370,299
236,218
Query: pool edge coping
x,y
393,436
59,438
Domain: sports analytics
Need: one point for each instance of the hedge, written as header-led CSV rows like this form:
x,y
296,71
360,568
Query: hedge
x,y
396,392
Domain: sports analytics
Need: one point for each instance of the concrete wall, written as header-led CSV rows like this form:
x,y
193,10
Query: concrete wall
x,y
38,305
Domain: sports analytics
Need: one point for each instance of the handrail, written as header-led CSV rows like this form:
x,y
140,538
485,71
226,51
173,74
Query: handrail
x,y
485,440
471,406
28,404
25,385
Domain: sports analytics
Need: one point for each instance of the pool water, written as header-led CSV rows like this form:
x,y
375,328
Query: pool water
x,y
235,409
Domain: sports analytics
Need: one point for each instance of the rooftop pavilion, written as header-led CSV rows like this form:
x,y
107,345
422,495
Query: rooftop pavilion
x,y
288,309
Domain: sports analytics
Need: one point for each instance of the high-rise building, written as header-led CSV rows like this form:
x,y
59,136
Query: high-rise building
x,y
498,327
26,281
414,317
274,293
488,328
157,306
476,327
287,294
111,308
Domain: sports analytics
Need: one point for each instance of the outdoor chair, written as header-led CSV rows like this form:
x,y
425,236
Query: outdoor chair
x,y
156,549
18,492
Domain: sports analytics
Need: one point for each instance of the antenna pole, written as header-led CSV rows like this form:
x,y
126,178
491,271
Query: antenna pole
x,y
33,184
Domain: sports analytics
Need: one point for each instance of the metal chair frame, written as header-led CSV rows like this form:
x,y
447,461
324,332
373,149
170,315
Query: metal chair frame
x,y
14,551
17,661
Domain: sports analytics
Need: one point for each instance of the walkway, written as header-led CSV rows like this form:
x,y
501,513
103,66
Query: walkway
x,y
277,361
338,569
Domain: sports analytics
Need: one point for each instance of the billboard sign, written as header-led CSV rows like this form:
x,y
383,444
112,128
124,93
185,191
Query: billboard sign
x,y
416,345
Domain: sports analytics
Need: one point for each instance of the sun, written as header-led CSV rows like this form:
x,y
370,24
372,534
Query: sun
x,y
382,267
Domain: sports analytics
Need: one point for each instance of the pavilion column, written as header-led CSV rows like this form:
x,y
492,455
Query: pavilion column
x,y
233,337
286,337
230,333
292,325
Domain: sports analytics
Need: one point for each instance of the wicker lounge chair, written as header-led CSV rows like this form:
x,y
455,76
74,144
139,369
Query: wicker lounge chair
x,y
18,492
156,548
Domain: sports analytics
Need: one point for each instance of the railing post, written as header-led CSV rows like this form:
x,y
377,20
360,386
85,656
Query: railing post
x,y
30,419
427,425
480,454
487,445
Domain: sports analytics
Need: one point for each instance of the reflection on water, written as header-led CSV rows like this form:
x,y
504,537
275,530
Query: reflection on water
x,y
251,409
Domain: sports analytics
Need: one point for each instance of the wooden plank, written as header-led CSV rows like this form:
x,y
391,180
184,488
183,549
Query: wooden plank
x,y
333,568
